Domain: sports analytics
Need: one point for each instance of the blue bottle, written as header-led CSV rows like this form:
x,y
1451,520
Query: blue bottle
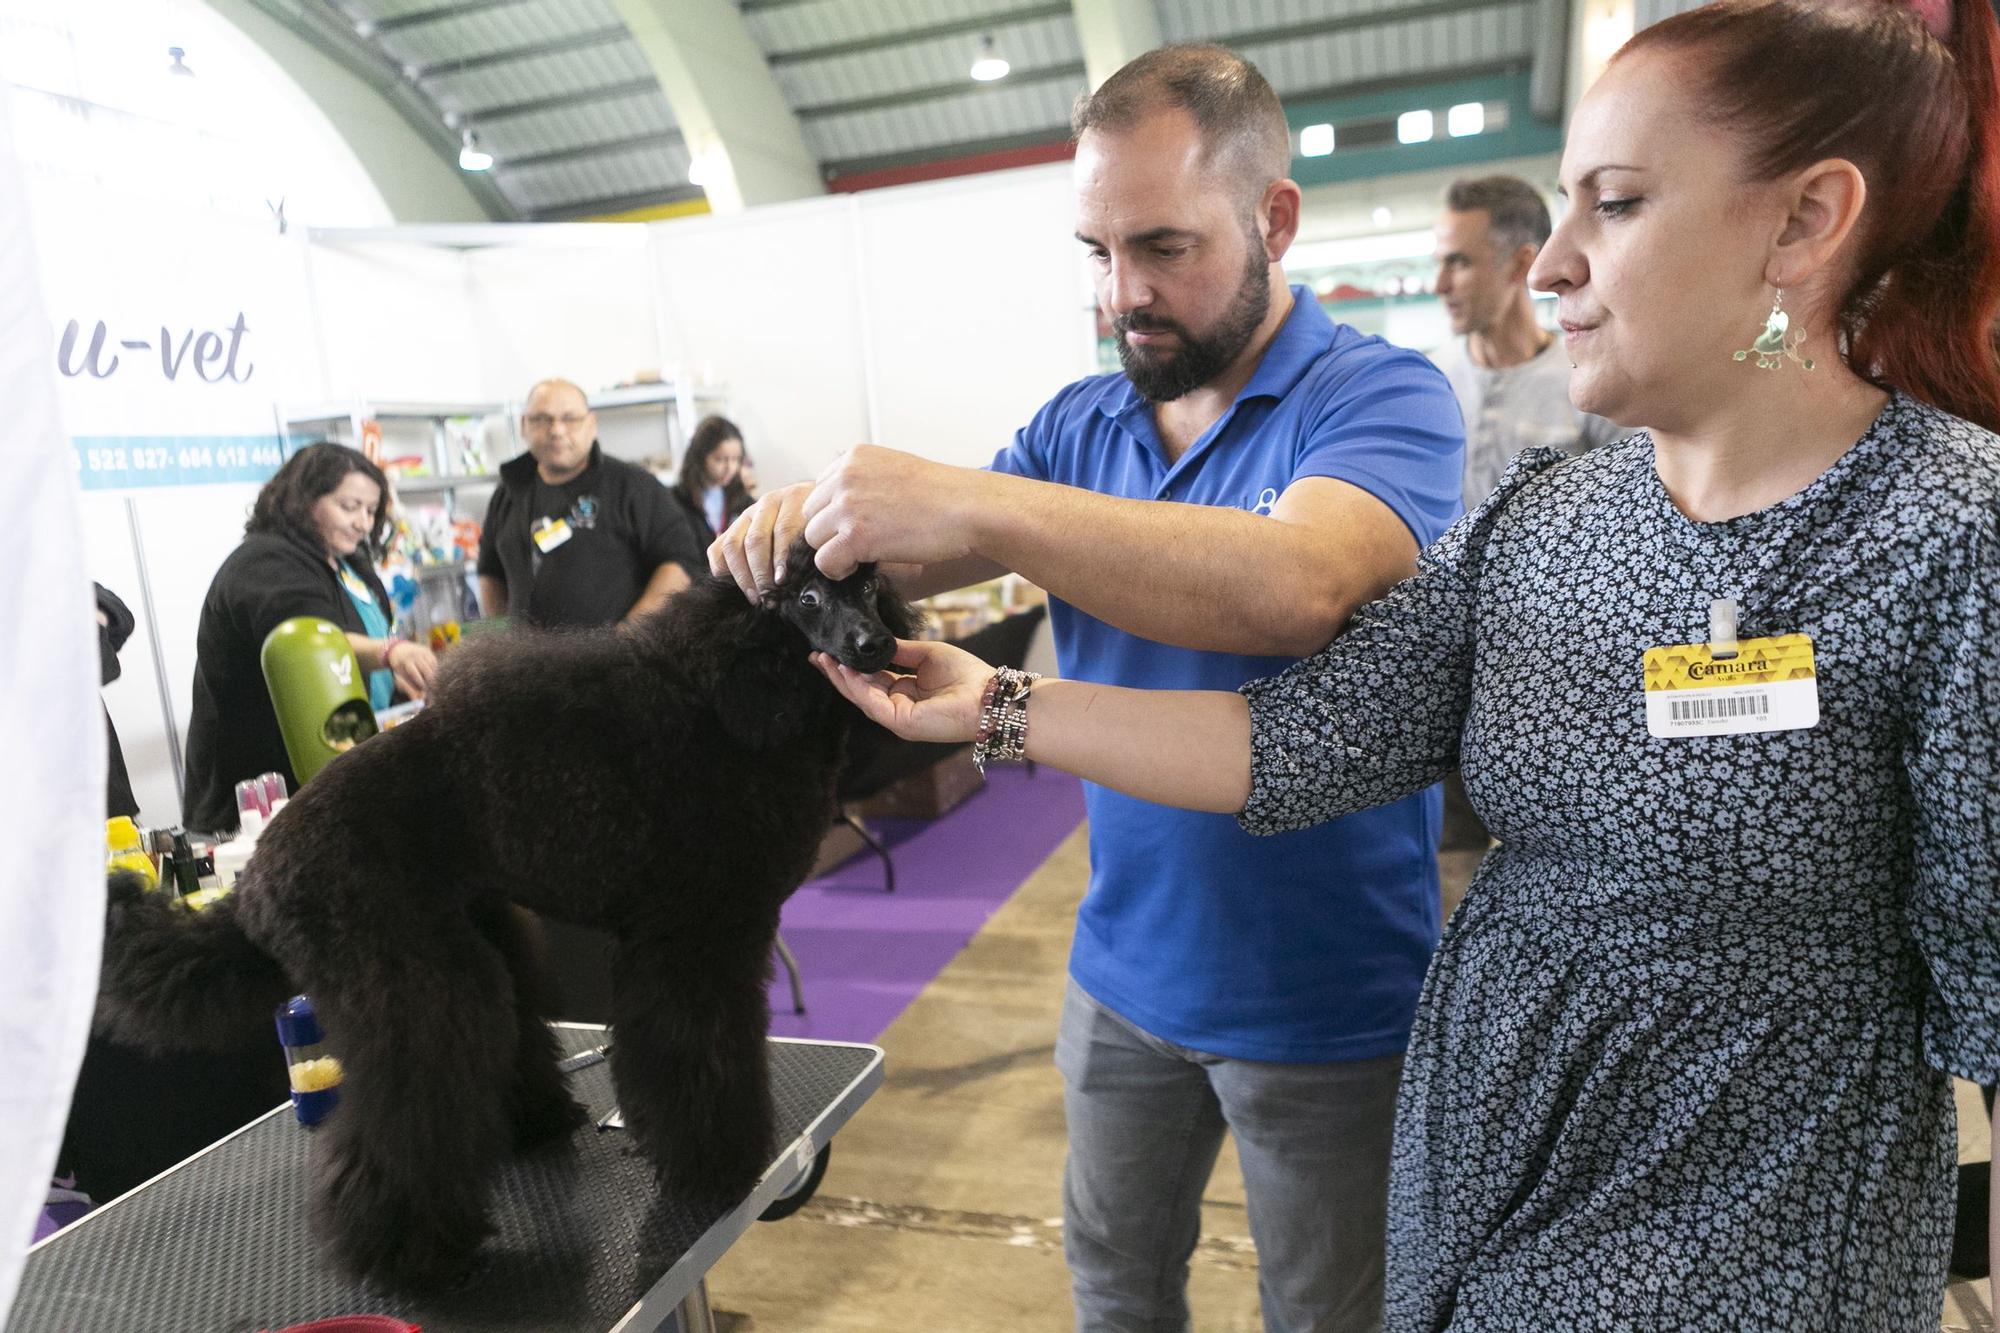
x,y
314,1072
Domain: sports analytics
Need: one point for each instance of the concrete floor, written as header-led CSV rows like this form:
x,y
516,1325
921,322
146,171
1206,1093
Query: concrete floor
x,y
941,1210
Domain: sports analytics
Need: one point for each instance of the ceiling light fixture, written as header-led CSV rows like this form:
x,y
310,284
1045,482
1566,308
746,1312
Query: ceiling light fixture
x,y
1465,119
1413,127
471,157
989,66
1316,140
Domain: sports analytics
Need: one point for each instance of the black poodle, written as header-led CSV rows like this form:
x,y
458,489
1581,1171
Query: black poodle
x,y
669,782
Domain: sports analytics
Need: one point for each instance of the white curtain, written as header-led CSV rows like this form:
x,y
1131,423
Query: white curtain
x,y
51,747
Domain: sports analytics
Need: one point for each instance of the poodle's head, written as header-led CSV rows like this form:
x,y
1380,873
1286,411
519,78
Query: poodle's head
x,y
855,620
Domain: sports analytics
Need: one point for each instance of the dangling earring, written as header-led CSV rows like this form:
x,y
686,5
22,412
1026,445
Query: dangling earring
x,y
1775,343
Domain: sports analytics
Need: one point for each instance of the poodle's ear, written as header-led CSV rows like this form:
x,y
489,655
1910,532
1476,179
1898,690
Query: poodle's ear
x,y
758,701
801,564
898,616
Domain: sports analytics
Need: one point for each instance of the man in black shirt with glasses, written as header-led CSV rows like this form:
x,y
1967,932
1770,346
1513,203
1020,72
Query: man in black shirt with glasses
x,y
574,537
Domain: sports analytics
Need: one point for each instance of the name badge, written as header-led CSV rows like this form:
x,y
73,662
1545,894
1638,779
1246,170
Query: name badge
x,y
551,533
1769,685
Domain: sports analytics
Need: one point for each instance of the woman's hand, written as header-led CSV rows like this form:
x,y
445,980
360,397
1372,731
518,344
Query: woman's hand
x,y
939,703
413,665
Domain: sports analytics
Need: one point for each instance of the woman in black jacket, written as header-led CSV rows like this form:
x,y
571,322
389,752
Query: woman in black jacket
x,y
713,489
308,550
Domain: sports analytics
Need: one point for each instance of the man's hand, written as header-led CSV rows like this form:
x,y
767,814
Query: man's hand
x,y
871,505
876,505
752,550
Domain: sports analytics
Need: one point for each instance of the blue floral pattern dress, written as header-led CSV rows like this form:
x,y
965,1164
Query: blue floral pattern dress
x,y
1679,1061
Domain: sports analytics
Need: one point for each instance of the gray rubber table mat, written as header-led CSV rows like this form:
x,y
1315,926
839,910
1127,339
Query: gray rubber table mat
x,y
220,1244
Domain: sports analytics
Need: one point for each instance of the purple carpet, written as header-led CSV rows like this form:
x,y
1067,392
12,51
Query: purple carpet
x,y
865,954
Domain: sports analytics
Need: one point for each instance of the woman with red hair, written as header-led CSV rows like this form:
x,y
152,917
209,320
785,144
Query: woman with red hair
x,y
1728,694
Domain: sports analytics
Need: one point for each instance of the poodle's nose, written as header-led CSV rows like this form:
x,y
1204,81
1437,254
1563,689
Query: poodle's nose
x,y
870,644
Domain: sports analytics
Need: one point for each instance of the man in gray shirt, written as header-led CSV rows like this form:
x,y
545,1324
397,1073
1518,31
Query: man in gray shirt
x,y
1510,374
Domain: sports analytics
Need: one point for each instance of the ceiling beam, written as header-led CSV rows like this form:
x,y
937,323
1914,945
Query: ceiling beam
x,y
621,203
609,92
1396,83
599,148
451,11
1378,18
854,166
939,91
1114,33
1550,77
908,36
582,41
745,144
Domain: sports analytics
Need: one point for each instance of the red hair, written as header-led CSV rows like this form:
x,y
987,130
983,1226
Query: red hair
x,y
1914,103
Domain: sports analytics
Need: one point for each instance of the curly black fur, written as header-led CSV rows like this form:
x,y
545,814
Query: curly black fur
x,y
669,783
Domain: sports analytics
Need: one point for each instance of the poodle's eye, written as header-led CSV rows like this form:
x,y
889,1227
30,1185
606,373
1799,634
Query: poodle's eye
x,y
809,598
867,587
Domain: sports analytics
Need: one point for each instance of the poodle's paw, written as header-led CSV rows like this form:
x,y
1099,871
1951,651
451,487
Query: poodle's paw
x,y
405,1242
545,1120
711,1172
419,1255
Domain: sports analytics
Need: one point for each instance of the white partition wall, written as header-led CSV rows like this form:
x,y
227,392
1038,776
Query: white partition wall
x,y
395,323
585,311
766,303
977,308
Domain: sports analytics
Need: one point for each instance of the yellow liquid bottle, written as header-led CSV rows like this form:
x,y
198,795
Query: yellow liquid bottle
x,y
124,851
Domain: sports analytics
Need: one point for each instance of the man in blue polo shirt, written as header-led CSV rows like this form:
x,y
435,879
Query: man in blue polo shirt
x,y
1209,516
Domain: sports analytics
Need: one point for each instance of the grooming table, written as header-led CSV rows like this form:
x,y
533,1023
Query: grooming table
x,y
220,1243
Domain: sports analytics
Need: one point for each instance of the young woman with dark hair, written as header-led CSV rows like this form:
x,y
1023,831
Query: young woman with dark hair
x,y
1728,694
712,490
308,550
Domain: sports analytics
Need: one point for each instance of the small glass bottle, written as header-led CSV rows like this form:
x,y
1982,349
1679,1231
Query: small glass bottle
x,y
314,1072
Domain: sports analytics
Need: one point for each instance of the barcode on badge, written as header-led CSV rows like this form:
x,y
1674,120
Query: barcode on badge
x,y
1728,706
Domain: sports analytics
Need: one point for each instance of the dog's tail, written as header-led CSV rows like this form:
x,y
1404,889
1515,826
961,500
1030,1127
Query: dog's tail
x,y
176,979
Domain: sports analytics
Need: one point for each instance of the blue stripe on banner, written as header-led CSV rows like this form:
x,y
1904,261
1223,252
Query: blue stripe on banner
x,y
121,462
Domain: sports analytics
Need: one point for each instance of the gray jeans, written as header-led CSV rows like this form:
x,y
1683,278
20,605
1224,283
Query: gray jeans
x,y
1146,1120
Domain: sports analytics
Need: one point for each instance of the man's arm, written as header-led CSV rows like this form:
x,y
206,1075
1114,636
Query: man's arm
x,y
1202,576
667,580
492,595
919,581
1197,576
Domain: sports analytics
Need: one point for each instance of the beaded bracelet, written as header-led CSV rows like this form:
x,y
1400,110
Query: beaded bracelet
x,y
1003,717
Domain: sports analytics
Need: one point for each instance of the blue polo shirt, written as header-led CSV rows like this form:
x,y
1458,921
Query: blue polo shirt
x,y
1307,946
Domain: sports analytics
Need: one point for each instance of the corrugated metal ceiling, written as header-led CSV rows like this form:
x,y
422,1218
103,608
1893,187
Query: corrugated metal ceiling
x,y
563,97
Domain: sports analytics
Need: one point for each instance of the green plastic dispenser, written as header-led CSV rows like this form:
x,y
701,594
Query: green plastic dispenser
x,y
318,690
